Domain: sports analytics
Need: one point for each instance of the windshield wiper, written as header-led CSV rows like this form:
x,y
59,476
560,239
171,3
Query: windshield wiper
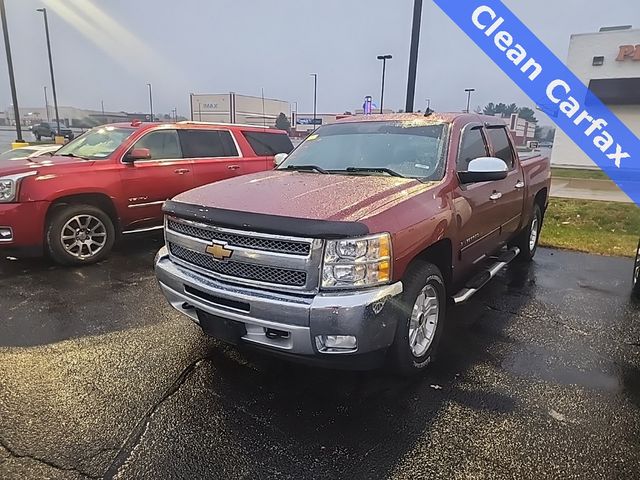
x,y
72,155
307,168
388,171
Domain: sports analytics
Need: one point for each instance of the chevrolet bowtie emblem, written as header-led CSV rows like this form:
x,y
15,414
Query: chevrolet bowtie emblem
x,y
219,251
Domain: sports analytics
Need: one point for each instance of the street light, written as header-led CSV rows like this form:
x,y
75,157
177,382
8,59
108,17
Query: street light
x,y
428,103
315,98
12,81
150,100
53,79
469,90
384,59
46,103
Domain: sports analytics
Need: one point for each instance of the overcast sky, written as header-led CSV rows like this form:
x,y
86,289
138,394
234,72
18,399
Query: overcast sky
x,y
109,49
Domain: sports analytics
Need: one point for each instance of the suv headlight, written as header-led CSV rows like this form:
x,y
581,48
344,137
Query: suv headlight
x,y
357,262
9,186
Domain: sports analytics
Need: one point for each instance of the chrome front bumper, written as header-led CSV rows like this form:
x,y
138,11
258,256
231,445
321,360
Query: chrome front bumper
x,y
369,315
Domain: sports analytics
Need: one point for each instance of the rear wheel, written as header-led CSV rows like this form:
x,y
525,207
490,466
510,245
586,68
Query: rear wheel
x,y
527,240
37,135
79,235
421,319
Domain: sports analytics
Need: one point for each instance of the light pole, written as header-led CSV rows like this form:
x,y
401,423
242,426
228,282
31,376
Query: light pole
x,y
46,103
150,100
428,103
469,90
384,59
315,99
53,78
12,81
413,55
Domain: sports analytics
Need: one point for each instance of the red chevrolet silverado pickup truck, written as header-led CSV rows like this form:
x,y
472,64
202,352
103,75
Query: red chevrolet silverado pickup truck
x,y
349,252
114,179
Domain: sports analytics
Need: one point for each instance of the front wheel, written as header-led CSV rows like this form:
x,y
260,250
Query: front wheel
x,y
79,235
420,320
636,274
527,240
38,137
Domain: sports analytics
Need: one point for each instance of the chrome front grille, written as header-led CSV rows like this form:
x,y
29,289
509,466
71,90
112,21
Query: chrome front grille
x,y
242,240
246,271
274,262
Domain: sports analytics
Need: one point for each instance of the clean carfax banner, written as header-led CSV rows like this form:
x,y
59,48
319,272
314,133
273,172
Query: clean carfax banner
x,y
547,81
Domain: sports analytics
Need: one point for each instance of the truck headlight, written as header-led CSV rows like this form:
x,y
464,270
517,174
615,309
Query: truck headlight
x,y
9,186
357,262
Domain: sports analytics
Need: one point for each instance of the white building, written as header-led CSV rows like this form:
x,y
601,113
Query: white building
x,y
234,108
608,62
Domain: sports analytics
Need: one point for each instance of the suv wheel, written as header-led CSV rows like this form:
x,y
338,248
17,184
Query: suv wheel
x,y
636,274
37,135
421,319
79,235
527,240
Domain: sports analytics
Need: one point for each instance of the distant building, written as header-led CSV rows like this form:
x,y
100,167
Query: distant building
x,y
609,63
235,108
70,116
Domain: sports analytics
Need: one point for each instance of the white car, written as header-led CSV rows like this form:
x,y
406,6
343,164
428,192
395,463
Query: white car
x,y
31,151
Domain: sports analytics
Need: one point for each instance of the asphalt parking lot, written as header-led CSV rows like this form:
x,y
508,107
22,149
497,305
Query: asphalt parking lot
x,y
538,377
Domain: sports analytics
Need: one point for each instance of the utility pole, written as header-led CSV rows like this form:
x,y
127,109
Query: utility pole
x,y
12,81
413,55
315,99
53,78
384,59
46,103
150,100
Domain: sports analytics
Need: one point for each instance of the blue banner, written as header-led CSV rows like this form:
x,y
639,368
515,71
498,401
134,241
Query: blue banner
x,y
552,86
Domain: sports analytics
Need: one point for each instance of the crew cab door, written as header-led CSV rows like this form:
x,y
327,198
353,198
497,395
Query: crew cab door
x,y
146,184
512,189
476,215
214,154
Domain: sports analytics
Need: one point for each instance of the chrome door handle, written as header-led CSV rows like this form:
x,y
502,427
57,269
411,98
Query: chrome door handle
x,y
495,196
233,167
181,171
520,184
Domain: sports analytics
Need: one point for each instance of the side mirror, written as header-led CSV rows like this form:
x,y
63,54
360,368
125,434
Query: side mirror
x,y
137,154
279,158
484,169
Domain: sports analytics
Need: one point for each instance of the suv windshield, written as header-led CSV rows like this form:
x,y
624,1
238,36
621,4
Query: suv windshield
x,y
97,143
397,148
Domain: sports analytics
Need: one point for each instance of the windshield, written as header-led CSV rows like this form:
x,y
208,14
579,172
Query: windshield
x,y
97,143
398,148
18,153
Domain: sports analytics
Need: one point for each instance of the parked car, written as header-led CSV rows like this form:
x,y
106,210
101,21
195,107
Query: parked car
x,y
636,273
350,251
114,179
32,151
49,129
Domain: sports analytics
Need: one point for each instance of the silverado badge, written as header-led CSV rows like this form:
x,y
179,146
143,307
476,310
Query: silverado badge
x,y
219,251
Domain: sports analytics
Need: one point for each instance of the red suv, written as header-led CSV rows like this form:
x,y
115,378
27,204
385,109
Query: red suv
x,y
114,179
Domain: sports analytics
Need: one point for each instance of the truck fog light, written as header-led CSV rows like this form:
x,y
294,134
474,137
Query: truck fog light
x,y
336,343
6,234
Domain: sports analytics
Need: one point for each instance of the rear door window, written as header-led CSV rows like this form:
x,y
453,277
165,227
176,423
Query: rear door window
x,y
207,143
268,144
501,145
162,144
473,146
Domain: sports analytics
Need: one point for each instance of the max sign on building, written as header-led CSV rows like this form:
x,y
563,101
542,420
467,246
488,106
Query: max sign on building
x,y
545,79
629,52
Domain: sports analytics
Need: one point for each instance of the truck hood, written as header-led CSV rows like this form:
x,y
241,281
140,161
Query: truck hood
x,y
10,167
314,196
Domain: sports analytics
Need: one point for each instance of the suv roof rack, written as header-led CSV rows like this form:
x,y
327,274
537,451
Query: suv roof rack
x,y
191,122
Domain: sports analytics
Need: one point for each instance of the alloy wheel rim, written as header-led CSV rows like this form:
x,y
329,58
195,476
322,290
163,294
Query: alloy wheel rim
x,y
424,321
533,237
83,236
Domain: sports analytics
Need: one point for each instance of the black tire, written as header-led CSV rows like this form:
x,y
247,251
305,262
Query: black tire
x,y
523,241
38,137
636,274
102,224
420,276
